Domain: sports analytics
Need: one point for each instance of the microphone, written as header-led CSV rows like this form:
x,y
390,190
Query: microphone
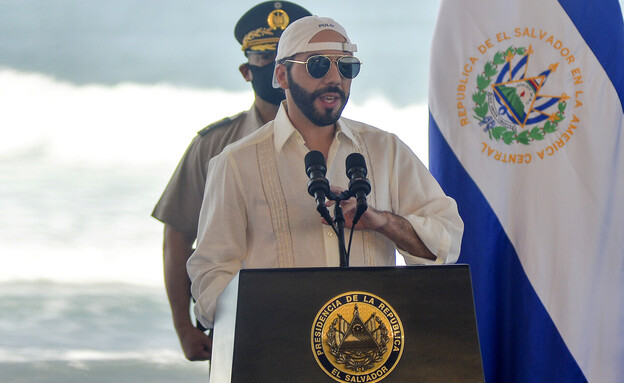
x,y
318,185
359,185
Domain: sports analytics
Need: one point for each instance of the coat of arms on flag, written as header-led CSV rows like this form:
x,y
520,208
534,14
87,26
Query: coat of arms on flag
x,y
510,104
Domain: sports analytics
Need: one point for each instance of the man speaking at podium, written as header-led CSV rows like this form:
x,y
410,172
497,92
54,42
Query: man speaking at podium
x,y
257,212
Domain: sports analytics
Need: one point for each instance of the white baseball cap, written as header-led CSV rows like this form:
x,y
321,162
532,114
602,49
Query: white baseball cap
x,y
296,39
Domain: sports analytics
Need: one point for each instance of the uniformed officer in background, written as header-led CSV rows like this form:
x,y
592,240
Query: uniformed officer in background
x,y
258,31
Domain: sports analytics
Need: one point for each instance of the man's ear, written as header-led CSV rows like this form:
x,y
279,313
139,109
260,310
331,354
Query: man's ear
x,y
280,75
245,71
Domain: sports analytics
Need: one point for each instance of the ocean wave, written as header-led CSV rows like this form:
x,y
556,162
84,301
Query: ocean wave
x,y
142,125
103,125
83,165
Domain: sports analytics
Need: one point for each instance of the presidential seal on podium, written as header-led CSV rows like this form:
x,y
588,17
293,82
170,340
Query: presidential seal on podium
x,y
357,337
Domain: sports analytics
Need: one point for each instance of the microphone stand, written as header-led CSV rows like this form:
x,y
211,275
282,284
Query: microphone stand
x,y
318,187
339,220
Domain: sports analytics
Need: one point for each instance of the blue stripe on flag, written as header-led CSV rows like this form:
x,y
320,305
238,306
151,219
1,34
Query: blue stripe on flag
x,y
600,36
510,317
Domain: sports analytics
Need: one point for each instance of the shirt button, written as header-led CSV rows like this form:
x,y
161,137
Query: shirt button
x,y
330,233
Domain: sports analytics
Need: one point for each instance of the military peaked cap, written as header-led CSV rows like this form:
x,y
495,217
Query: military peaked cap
x,y
260,28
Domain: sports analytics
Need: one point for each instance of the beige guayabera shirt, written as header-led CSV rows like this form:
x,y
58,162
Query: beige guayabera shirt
x,y
257,212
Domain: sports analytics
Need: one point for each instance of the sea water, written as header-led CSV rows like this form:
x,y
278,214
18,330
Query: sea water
x,y
98,101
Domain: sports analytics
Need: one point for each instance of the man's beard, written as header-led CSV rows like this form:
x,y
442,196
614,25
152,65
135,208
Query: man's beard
x,y
305,102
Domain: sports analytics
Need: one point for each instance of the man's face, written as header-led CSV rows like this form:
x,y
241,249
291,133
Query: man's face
x,y
320,100
260,59
259,70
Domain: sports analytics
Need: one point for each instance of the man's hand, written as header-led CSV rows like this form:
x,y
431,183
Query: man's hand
x,y
394,227
197,346
177,249
372,219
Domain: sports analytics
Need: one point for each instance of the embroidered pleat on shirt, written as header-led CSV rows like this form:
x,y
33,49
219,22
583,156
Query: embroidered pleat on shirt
x,y
274,195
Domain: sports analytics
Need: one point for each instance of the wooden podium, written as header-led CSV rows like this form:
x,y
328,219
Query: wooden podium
x,y
365,324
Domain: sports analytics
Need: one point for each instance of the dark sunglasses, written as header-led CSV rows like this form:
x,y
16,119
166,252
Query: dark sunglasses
x,y
318,65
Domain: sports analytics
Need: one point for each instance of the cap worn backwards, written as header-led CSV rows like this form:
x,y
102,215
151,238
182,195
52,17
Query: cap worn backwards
x,y
260,28
296,39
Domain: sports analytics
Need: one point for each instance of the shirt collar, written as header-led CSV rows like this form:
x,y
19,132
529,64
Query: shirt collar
x,y
342,127
255,112
284,129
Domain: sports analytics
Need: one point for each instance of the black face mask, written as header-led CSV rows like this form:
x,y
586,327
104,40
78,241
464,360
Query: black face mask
x,y
262,84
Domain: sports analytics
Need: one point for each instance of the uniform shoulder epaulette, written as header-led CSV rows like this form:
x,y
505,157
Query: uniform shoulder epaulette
x,y
214,125
218,124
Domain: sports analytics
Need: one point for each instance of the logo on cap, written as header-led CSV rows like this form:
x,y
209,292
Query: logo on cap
x,y
278,19
266,38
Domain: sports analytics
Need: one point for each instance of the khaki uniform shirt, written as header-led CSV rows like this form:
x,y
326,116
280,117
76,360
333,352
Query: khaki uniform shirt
x,y
181,201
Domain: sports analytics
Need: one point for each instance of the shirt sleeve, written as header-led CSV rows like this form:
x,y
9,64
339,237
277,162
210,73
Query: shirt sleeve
x,y
420,199
180,203
222,238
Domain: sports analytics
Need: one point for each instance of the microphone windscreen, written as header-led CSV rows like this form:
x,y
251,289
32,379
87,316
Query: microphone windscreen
x,y
314,158
355,160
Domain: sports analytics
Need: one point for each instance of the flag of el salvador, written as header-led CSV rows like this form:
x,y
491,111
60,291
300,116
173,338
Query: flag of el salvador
x,y
527,134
